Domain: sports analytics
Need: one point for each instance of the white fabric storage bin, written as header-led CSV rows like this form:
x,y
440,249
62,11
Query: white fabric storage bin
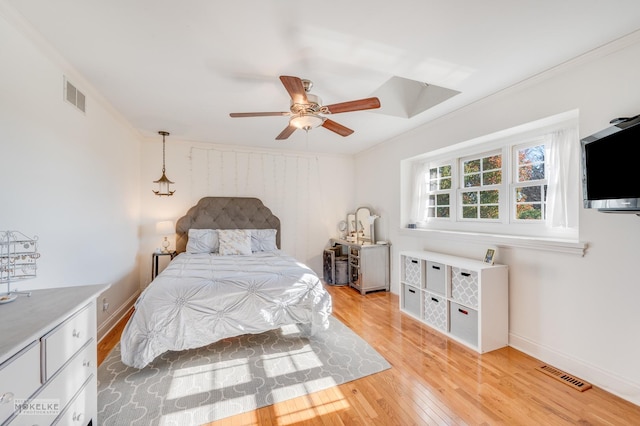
x,y
435,310
464,286
436,277
411,300
413,271
464,323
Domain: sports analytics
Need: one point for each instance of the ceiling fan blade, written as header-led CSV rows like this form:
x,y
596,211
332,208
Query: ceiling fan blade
x,y
286,132
335,127
359,105
295,88
258,114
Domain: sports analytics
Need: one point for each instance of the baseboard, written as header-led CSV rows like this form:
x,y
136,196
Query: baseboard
x,y
606,380
113,320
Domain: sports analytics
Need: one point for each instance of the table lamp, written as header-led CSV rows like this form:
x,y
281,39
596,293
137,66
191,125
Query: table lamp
x,y
165,228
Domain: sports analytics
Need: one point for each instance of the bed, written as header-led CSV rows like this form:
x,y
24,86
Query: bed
x,y
214,289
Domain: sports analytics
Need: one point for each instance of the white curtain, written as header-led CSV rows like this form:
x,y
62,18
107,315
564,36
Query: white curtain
x,y
563,186
419,197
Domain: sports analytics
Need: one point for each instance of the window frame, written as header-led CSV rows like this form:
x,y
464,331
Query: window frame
x,y
506,230
462,189
515,183
451,191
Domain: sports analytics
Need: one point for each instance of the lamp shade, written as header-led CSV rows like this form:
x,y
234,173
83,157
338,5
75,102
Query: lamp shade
x,y
306,122
165,228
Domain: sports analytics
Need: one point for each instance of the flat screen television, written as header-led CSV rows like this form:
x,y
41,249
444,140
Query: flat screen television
x,y
611,167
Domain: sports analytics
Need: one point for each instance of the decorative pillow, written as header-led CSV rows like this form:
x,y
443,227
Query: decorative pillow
x,y
202,241
234,241
263,240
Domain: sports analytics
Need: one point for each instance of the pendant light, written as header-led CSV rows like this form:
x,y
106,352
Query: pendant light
x,y
163,183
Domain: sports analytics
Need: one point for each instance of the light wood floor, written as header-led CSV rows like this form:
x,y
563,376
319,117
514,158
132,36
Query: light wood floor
x,y
433,381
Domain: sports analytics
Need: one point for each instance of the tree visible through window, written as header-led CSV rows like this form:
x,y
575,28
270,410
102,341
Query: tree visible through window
x,y
531,184
520,181
483,174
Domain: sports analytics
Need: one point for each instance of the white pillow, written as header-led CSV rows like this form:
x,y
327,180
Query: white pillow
x,y
234,241
263,240
202,241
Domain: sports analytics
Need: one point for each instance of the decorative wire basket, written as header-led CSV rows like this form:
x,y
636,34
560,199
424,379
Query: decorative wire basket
x,y
18,256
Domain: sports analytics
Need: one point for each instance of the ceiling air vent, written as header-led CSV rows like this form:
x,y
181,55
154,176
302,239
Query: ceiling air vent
x,y
74,96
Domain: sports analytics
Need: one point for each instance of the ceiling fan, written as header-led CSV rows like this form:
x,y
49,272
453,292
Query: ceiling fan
x,y
306,109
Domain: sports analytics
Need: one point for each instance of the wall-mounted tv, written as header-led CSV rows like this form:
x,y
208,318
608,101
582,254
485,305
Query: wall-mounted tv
x,y
611,167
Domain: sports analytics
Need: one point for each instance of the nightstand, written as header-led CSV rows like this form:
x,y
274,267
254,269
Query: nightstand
x,y
154,261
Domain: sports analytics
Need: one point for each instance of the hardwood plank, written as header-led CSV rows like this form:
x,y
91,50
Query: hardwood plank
x,y
433,380
111,339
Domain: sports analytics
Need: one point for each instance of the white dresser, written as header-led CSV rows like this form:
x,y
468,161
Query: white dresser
x,y
48,364
466,299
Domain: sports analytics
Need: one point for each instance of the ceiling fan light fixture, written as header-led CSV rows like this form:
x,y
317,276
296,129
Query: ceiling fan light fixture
x,y
306,122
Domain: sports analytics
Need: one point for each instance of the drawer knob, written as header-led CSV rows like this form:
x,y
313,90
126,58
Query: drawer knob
x,y
77,417
6,397
76,333
462,311
465,274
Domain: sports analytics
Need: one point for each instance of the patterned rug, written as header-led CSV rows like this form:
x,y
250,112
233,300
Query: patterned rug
x,y
231,376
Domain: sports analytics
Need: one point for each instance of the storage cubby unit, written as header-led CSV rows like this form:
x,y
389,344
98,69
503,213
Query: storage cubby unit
x,y
466,299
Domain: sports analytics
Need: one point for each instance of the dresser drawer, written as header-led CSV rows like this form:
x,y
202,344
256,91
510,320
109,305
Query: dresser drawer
x,y
19,378
65,340
63,387
79,410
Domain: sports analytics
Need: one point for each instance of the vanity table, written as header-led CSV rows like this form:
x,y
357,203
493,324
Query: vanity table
x,y
368,261
368,265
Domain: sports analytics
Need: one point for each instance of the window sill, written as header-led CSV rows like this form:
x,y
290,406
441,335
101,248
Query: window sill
x,y
545,244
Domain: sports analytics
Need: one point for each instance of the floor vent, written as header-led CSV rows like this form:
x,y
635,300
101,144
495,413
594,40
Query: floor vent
x,y
565,378
74,96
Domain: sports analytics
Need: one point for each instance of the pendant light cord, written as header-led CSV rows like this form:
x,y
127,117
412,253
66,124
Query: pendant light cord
x,y
163,153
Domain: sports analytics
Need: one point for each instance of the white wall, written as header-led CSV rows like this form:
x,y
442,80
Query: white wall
x,y
310,193
75,181
577,313
70,178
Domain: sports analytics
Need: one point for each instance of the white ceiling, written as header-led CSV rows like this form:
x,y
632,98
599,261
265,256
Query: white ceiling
x,y
183,66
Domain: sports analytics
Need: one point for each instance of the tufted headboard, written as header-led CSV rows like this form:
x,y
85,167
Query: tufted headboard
x,y
225,213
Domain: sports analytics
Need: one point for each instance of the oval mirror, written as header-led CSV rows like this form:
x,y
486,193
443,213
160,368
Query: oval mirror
x,y
364,225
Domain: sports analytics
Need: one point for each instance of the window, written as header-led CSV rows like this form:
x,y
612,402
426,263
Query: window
x,y
484,175
530,189
508,184
439,189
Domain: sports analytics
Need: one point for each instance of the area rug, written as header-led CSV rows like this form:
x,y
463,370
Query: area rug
x,y
231,376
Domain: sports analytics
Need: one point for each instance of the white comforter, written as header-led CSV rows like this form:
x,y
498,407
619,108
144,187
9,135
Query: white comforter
x,y
202,298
